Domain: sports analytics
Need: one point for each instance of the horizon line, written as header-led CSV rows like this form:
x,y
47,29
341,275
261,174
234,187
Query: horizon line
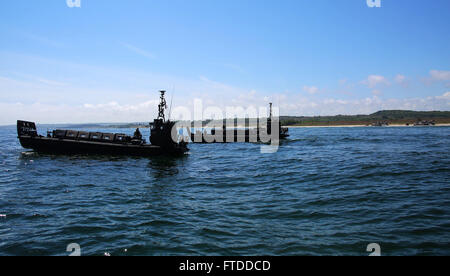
x,y
292,116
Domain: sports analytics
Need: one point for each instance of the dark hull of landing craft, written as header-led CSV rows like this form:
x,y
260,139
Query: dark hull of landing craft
x,y
80,142
200,139
64,146
246,135
74,142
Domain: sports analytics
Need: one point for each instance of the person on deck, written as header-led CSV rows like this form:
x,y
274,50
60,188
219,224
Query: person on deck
x,y
137,134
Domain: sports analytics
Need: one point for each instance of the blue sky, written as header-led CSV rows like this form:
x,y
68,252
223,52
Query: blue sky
x,y
105,61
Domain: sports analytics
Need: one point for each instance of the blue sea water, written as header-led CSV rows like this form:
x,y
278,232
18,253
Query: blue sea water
x,y
327,191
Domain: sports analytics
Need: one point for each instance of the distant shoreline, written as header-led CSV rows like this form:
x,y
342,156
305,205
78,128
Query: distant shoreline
x,y
393,117
129,126
392,125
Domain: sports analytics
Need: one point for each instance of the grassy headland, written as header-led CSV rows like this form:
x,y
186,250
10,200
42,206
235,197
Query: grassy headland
x,y
393,117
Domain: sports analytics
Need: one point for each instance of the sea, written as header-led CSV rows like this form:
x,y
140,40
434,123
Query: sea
x,y
326,191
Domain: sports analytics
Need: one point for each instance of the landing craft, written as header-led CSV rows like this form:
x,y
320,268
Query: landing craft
x,y
246,135
80,142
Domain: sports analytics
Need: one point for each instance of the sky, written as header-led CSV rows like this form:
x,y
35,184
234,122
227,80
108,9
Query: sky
x,y
106,60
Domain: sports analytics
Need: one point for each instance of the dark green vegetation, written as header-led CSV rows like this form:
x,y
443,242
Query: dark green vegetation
x,y
391,116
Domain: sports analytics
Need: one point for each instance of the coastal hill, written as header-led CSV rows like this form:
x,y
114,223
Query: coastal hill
x,y
400,117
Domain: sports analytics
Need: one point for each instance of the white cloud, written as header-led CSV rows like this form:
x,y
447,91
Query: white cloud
x,y
373,81
401,80
89,94
446,96
51,82
145,110
376,92
363,106
87,113
311,89
37,100
440,75
116,107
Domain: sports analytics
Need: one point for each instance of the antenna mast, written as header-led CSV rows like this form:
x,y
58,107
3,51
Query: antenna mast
x,y
171,101
162,106
270,111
